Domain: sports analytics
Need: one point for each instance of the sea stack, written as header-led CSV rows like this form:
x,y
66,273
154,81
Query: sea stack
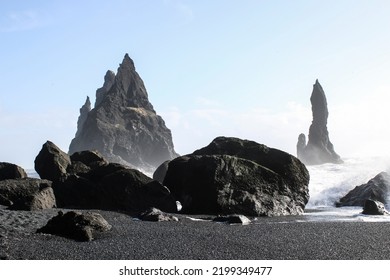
x,y
123,126
319,149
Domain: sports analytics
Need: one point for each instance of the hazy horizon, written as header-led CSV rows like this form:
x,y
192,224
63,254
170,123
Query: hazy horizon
x,y
211,68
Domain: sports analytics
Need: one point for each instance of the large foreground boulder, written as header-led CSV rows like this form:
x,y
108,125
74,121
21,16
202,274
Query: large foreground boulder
x,y
27,194
76,225
11,171
377,189
86,180
159,173
285,165
234,176
51,162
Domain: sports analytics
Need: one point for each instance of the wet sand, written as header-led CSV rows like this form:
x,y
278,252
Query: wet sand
x,y
278,238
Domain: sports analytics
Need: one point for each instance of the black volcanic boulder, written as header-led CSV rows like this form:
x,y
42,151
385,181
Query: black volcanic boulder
x,y
77,192
11,171
159,173
113,187
285,165
377,189
86,180
51,162
27,194
234,176
372,207
131,190
76,225
89,158
85,161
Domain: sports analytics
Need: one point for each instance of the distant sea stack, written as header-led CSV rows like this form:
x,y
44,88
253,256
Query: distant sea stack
x,y
319,149
123,126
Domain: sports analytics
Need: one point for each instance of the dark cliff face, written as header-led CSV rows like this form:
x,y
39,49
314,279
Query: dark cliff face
x,y
123,126
319,148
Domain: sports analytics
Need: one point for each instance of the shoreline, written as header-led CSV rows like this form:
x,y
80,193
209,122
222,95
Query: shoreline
x,y
275,238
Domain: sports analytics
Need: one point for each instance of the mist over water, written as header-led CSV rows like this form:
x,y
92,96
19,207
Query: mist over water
x,y
329,182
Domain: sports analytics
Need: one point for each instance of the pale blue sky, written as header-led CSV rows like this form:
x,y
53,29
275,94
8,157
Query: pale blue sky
x,y
235,68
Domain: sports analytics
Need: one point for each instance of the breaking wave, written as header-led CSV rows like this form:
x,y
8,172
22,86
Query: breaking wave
x,y
329,182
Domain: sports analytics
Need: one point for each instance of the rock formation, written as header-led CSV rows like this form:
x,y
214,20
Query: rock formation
x,y
319,149
86,180
378,189
373,207
51,163
234,176
159,173
11,171
123,126
156,215
27,194
84,111
76,225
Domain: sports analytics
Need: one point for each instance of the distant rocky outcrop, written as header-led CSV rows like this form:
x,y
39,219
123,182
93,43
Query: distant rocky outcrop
x,y
378,189
86,180
11,171
319,148
76,225
84,111
123,126
234,176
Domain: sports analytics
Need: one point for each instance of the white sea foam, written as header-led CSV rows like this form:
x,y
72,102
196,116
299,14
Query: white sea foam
x,y
329,182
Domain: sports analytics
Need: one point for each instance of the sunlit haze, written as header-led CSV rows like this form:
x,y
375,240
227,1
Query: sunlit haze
x,y
211,68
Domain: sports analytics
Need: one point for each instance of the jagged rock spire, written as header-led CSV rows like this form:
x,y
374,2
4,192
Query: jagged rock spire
x,y
84,110
319,148
123,126
109,80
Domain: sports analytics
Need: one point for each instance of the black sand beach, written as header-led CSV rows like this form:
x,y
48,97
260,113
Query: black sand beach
x,y
279,238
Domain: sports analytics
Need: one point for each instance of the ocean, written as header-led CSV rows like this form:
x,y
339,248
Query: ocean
x,y
328,183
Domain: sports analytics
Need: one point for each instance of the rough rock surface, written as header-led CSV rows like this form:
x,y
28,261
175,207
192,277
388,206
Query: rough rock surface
x,y
11,171
76,225
372,207
89,181
84,110
123,126
234,176
377,189
51,162
161,171
27,194
319,148
109,80
156,215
